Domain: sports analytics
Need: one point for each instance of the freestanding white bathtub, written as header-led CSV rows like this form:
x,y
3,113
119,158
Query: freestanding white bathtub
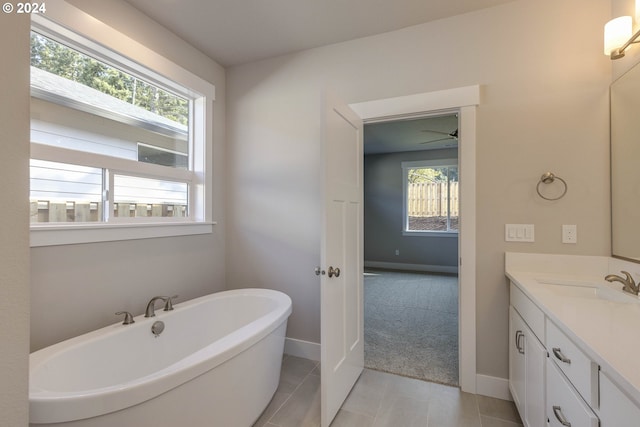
x,y
217,363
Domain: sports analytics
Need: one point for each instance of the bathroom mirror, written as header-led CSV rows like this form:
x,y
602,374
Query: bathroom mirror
x,y
625,166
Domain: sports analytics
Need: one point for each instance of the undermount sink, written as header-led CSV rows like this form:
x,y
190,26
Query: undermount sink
x,y
578,289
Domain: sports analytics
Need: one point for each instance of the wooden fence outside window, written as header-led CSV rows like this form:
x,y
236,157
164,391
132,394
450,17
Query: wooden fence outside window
x,y
429,199
44,211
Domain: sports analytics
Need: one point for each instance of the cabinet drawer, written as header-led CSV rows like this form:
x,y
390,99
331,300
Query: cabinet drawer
x,y
531,314
564,407
579,369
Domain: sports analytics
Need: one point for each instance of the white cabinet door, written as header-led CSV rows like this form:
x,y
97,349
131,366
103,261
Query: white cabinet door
x,y
616,409
517,361
527,357
535,357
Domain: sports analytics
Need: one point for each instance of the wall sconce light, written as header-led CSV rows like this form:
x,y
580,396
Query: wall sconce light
x,y
618,36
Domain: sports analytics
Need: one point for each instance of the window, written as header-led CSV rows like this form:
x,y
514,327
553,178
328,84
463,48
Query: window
x,y
113,143
431,203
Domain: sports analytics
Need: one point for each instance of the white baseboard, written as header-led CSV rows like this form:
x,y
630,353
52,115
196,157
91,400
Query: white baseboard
x,y
493,387
300,348
412,267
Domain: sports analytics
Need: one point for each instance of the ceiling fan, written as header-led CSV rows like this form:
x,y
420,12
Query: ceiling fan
x,y
449,135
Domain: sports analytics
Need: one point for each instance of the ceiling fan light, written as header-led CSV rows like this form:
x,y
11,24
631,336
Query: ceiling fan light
x,y
616,33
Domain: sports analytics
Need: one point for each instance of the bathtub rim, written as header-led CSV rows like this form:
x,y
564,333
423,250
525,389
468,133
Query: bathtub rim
x,y
47,406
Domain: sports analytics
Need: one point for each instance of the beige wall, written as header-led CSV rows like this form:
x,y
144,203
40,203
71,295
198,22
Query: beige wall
x,y
544,107
78,288
14,228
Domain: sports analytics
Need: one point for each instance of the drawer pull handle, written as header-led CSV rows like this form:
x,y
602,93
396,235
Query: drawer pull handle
x,y
520,348
557,411
561,357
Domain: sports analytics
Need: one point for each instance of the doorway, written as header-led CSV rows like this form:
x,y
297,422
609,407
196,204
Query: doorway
x,y
465,99
411,212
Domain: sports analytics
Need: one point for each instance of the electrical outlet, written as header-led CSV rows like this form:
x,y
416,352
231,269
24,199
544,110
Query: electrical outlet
x,y
570,233
397,252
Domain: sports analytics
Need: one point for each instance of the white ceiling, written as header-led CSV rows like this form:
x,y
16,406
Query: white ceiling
x,y
428,133
235,32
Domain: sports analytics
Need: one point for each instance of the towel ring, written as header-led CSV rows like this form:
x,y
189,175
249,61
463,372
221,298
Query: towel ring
x,y
548,178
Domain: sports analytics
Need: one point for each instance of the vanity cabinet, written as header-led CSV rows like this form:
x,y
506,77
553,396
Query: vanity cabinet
x,y
589,372
527,357
553,382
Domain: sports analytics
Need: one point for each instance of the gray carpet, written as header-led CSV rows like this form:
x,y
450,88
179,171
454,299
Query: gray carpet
x,y
411,325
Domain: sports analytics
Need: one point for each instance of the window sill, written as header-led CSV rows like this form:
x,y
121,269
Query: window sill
x,y
71,234
431,233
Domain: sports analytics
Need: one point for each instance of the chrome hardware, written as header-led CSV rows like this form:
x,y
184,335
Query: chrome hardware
x,y
333,272
319,271
629,285
519,335
549,178
557,411
151,306
128,317
561,357
168,304
157,328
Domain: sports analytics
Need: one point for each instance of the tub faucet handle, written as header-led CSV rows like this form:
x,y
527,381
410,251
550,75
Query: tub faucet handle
x,y
168,304
128,317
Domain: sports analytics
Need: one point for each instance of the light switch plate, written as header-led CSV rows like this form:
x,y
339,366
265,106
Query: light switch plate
x,y
519,233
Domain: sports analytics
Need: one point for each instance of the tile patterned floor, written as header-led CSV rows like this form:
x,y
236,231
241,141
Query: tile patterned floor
x,y
381,400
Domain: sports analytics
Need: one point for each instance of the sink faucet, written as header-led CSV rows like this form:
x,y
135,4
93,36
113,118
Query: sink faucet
x,y
629,285
151,306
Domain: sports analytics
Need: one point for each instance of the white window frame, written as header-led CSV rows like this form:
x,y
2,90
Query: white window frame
x,y
405,188
106,43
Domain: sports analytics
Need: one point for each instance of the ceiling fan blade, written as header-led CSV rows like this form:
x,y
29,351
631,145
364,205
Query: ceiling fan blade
x,y
436,140
453,134
436,131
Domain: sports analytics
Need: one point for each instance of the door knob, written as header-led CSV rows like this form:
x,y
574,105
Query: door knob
x,y
333,272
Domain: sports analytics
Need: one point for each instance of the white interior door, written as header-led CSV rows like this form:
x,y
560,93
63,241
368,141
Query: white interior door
x,y
342,328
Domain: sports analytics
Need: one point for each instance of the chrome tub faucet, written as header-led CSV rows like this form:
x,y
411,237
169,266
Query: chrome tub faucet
x,y
629,285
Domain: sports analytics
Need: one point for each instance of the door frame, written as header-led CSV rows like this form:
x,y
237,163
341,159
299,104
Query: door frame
x,y
465,100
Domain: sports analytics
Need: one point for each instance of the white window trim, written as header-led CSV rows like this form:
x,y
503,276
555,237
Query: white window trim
x,y
69,22
405,218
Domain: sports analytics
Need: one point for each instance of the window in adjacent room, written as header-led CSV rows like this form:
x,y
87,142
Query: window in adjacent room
x,y
431,197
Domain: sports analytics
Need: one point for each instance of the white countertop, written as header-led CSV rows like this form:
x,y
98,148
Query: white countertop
x,y
607,331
